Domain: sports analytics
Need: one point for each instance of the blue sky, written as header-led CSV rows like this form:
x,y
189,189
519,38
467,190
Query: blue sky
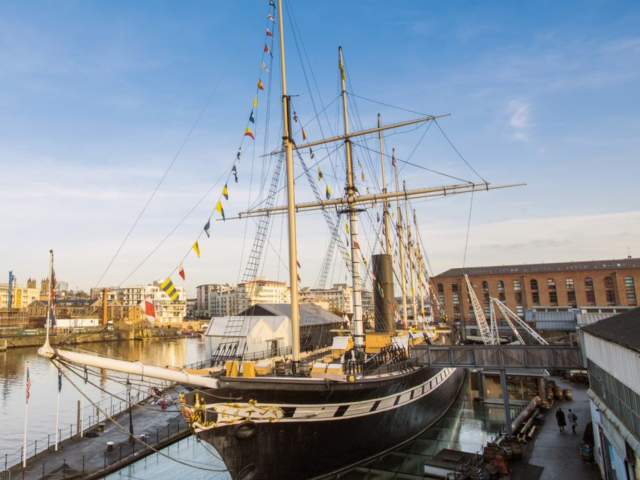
x,y
97,97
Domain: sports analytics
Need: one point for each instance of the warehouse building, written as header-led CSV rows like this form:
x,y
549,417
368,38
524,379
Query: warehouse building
x,y
601,283
612,348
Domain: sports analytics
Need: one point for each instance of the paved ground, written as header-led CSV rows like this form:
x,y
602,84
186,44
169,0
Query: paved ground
x,y
90,455
559,453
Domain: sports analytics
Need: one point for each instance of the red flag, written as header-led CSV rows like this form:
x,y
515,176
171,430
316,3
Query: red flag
x,y
269,33
149,309
181,272
249,133
266,48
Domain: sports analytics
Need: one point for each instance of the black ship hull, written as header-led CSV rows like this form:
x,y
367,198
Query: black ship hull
x,y
315,439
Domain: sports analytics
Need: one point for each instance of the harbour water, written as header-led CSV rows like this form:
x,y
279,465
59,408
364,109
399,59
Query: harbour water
x,y
42,406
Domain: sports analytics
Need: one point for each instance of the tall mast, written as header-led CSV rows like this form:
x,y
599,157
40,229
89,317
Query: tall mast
x,y
351,191
422,277
411,255
291,196
50,299
385,208
399,230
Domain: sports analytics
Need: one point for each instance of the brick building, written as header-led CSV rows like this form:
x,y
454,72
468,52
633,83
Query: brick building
x,y
568,284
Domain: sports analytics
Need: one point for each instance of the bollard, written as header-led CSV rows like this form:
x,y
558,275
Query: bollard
x,y
42,469
64,470
48,440
35,448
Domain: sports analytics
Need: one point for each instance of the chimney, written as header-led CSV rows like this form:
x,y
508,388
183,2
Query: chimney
x,y
384,300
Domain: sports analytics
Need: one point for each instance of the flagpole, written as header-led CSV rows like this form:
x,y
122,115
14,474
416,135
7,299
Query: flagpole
x,y
26,414
58,410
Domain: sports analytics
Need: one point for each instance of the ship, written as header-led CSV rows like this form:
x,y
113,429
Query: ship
x,y
316,411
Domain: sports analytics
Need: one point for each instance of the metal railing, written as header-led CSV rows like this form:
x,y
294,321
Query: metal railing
x,y
499,356
91,417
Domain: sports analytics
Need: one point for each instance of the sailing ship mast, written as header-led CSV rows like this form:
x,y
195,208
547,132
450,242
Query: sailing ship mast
x,y
385,206
287,139
351,192
410,254
399,231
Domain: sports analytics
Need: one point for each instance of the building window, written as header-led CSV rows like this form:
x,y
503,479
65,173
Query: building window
x,y
571,298
535,294
485,286
610,290
440,288
501,295
553,292
519,298
590,293
630,290
517,286
570,284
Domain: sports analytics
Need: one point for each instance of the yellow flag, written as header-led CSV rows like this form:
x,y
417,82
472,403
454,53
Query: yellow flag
x,y
255,102
346,227
220,208
225,192
196,248
304,134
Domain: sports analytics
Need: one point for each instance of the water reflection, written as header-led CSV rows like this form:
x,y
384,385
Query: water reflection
x,y
44,384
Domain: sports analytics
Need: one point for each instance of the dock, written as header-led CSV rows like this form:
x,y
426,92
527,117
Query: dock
x,y
106,448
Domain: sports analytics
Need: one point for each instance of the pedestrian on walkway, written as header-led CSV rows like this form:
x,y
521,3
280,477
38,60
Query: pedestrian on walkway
x,y
561,419
573,419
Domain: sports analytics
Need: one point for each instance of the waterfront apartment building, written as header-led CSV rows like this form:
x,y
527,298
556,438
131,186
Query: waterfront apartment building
x,y
521,287
203,296
337,299
231,300
21,297
125,299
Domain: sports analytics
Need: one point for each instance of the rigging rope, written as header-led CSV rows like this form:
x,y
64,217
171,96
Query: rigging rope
x,y
160,182
126,431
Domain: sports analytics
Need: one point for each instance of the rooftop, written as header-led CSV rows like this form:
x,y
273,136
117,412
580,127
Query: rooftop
x,y
310,314
544,267
622,329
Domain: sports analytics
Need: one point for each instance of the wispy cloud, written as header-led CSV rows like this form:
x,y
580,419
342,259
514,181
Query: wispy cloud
x,y
519,119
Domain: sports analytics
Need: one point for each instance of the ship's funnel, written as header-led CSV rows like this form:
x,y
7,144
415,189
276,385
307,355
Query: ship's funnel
x,y
384,300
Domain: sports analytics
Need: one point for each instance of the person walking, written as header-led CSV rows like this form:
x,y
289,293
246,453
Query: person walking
x,y
573,419
561,419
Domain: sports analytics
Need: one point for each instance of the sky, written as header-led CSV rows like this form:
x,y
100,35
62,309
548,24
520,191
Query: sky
x,y
98,99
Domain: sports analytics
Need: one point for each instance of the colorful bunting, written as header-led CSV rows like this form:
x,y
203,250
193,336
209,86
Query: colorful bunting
x,y
260,84
169,288
249,133
266,48
271,18
269,33
196,248
207,227
304,134
220,209
328,192
264,67
181,273
234,170
255,103
311,154
295,116
225,192
320,174
252,119
346,228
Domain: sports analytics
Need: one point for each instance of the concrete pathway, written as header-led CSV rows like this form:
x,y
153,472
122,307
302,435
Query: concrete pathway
x,y
559,452
88,456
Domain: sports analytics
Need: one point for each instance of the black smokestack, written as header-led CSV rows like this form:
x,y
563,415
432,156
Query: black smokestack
x,y
383,297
